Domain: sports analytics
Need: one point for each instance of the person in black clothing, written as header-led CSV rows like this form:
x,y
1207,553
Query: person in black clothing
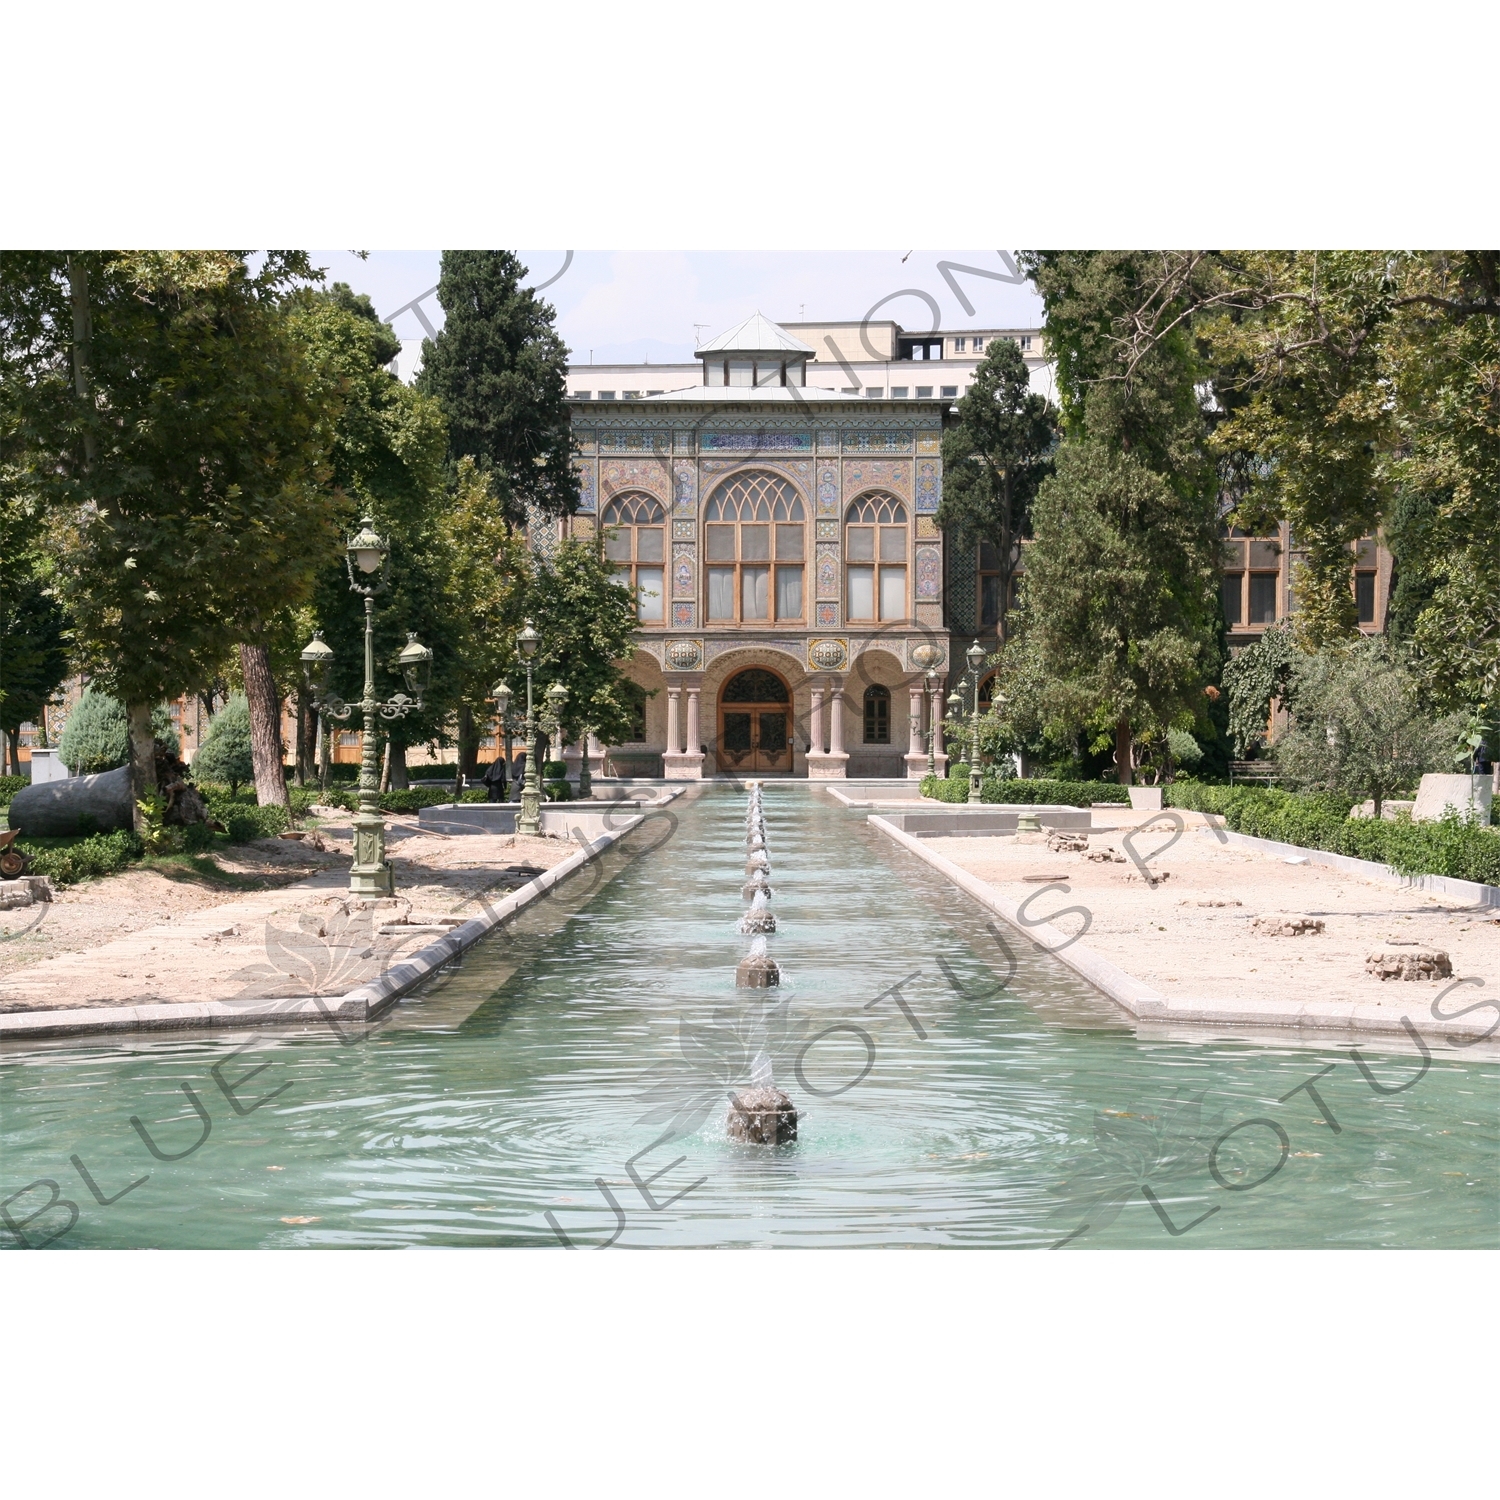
x,y
519,772
494,780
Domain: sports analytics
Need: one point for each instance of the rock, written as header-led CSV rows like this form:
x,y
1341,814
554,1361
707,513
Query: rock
x,y
1410,963
762,1116
1389,811
1066,841
1282,925
1152,880
29,890
1469,796
1107,855
53,809
1220,903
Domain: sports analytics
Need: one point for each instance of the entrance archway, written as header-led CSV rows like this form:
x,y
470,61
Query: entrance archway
x,y
755,723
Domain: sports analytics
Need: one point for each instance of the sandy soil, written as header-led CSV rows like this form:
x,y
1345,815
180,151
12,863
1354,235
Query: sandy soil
x,y
1192,934
144,937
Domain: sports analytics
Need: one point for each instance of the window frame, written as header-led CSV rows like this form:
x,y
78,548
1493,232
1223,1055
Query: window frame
x,y
879,503
637,500
875,695
734,490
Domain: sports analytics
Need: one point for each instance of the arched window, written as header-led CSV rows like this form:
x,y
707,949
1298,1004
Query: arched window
x,y
635,529
875,549
754,525
877,715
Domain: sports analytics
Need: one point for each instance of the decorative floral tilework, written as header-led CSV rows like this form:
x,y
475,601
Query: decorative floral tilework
x,y
877,442
685,498
929,572
682,616
929,485
581,525
828,572
929,442
828,531
682,571
927,529
828,490
682,439
587,499
642,474
873,473
587,439
828,438
684,531
828,616
756,440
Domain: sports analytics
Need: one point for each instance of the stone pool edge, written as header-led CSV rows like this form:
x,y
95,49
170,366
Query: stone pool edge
x,y
366,1002
1146,1004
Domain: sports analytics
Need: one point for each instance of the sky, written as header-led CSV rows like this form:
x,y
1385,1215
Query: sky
x,y
629,306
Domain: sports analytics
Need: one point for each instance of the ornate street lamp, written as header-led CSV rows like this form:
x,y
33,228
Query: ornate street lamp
x,y
931,681
530,821
557,697
367,555
969,687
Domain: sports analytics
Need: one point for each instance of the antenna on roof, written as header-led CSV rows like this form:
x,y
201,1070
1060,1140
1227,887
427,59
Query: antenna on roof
x,y
697,334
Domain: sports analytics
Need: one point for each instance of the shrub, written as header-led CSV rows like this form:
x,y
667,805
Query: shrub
x,y
65,862
9,786
225,752
97,735
554,770
1059,793
247,823
1463,851
558,791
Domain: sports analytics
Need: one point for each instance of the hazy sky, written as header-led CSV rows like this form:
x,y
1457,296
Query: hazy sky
x,y
642,305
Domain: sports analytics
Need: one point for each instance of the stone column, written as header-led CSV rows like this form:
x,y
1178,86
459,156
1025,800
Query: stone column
x,y
916,754
939,755
596,756
833,765
815,740
674,743
683,763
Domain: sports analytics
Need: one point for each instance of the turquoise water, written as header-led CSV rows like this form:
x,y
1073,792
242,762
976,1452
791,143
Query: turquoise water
x,y
563,1051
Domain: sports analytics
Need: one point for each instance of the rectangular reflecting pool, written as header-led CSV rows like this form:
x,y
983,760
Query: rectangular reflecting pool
x,y
568,1084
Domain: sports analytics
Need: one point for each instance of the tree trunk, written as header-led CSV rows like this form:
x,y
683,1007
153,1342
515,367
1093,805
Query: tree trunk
x,y
1123,752
385,767
13,751
142,759
303,757
468,743
396,754
265,727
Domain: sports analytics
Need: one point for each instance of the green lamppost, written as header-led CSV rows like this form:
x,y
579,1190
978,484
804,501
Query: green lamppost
x,y
530,821
556,696
969,686
931,680
367,556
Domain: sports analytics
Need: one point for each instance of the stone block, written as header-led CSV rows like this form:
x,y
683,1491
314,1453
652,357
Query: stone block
x,y
1282,924
1470,796
1409,963
53,808
761,1116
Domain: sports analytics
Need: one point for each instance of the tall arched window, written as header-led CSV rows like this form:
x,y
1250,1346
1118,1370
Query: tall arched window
x,y
875,549
635,528
877,715
754,543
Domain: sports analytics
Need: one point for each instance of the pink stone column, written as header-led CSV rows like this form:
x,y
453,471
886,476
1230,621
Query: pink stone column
x,y
694,741
835,716
815,722
937,726
915,745
674,743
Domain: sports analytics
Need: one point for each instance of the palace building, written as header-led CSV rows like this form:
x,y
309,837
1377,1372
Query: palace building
x,y
780,537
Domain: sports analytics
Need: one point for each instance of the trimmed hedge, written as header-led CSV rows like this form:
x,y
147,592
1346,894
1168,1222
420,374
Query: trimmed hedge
x,y
247,823
9,786
1030,791
65,862
1463,851
403,800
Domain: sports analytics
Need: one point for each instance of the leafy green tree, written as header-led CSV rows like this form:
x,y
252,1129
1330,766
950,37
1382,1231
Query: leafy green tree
x,y
34,632
1256,678
994,458
1120,583
156,405
499,371
387,445
225,754
1358,727
97,735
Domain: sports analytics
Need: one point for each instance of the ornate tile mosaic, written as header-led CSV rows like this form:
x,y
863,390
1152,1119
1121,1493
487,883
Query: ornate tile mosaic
x,y
929,572
642,474
864,474
684,531
828,489
828,531
587,498
682,616
828,616
685,497
635,442
587,439
929,485
927,529
682,439
961,588
581,525
877,442
828,571
683,573
755,440
930,442
828,438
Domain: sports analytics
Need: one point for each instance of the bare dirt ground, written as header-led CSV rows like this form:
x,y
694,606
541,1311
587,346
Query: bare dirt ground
x,y
159,937
1193,934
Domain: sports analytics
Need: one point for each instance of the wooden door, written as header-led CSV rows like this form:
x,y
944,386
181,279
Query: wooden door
x,y
755,723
